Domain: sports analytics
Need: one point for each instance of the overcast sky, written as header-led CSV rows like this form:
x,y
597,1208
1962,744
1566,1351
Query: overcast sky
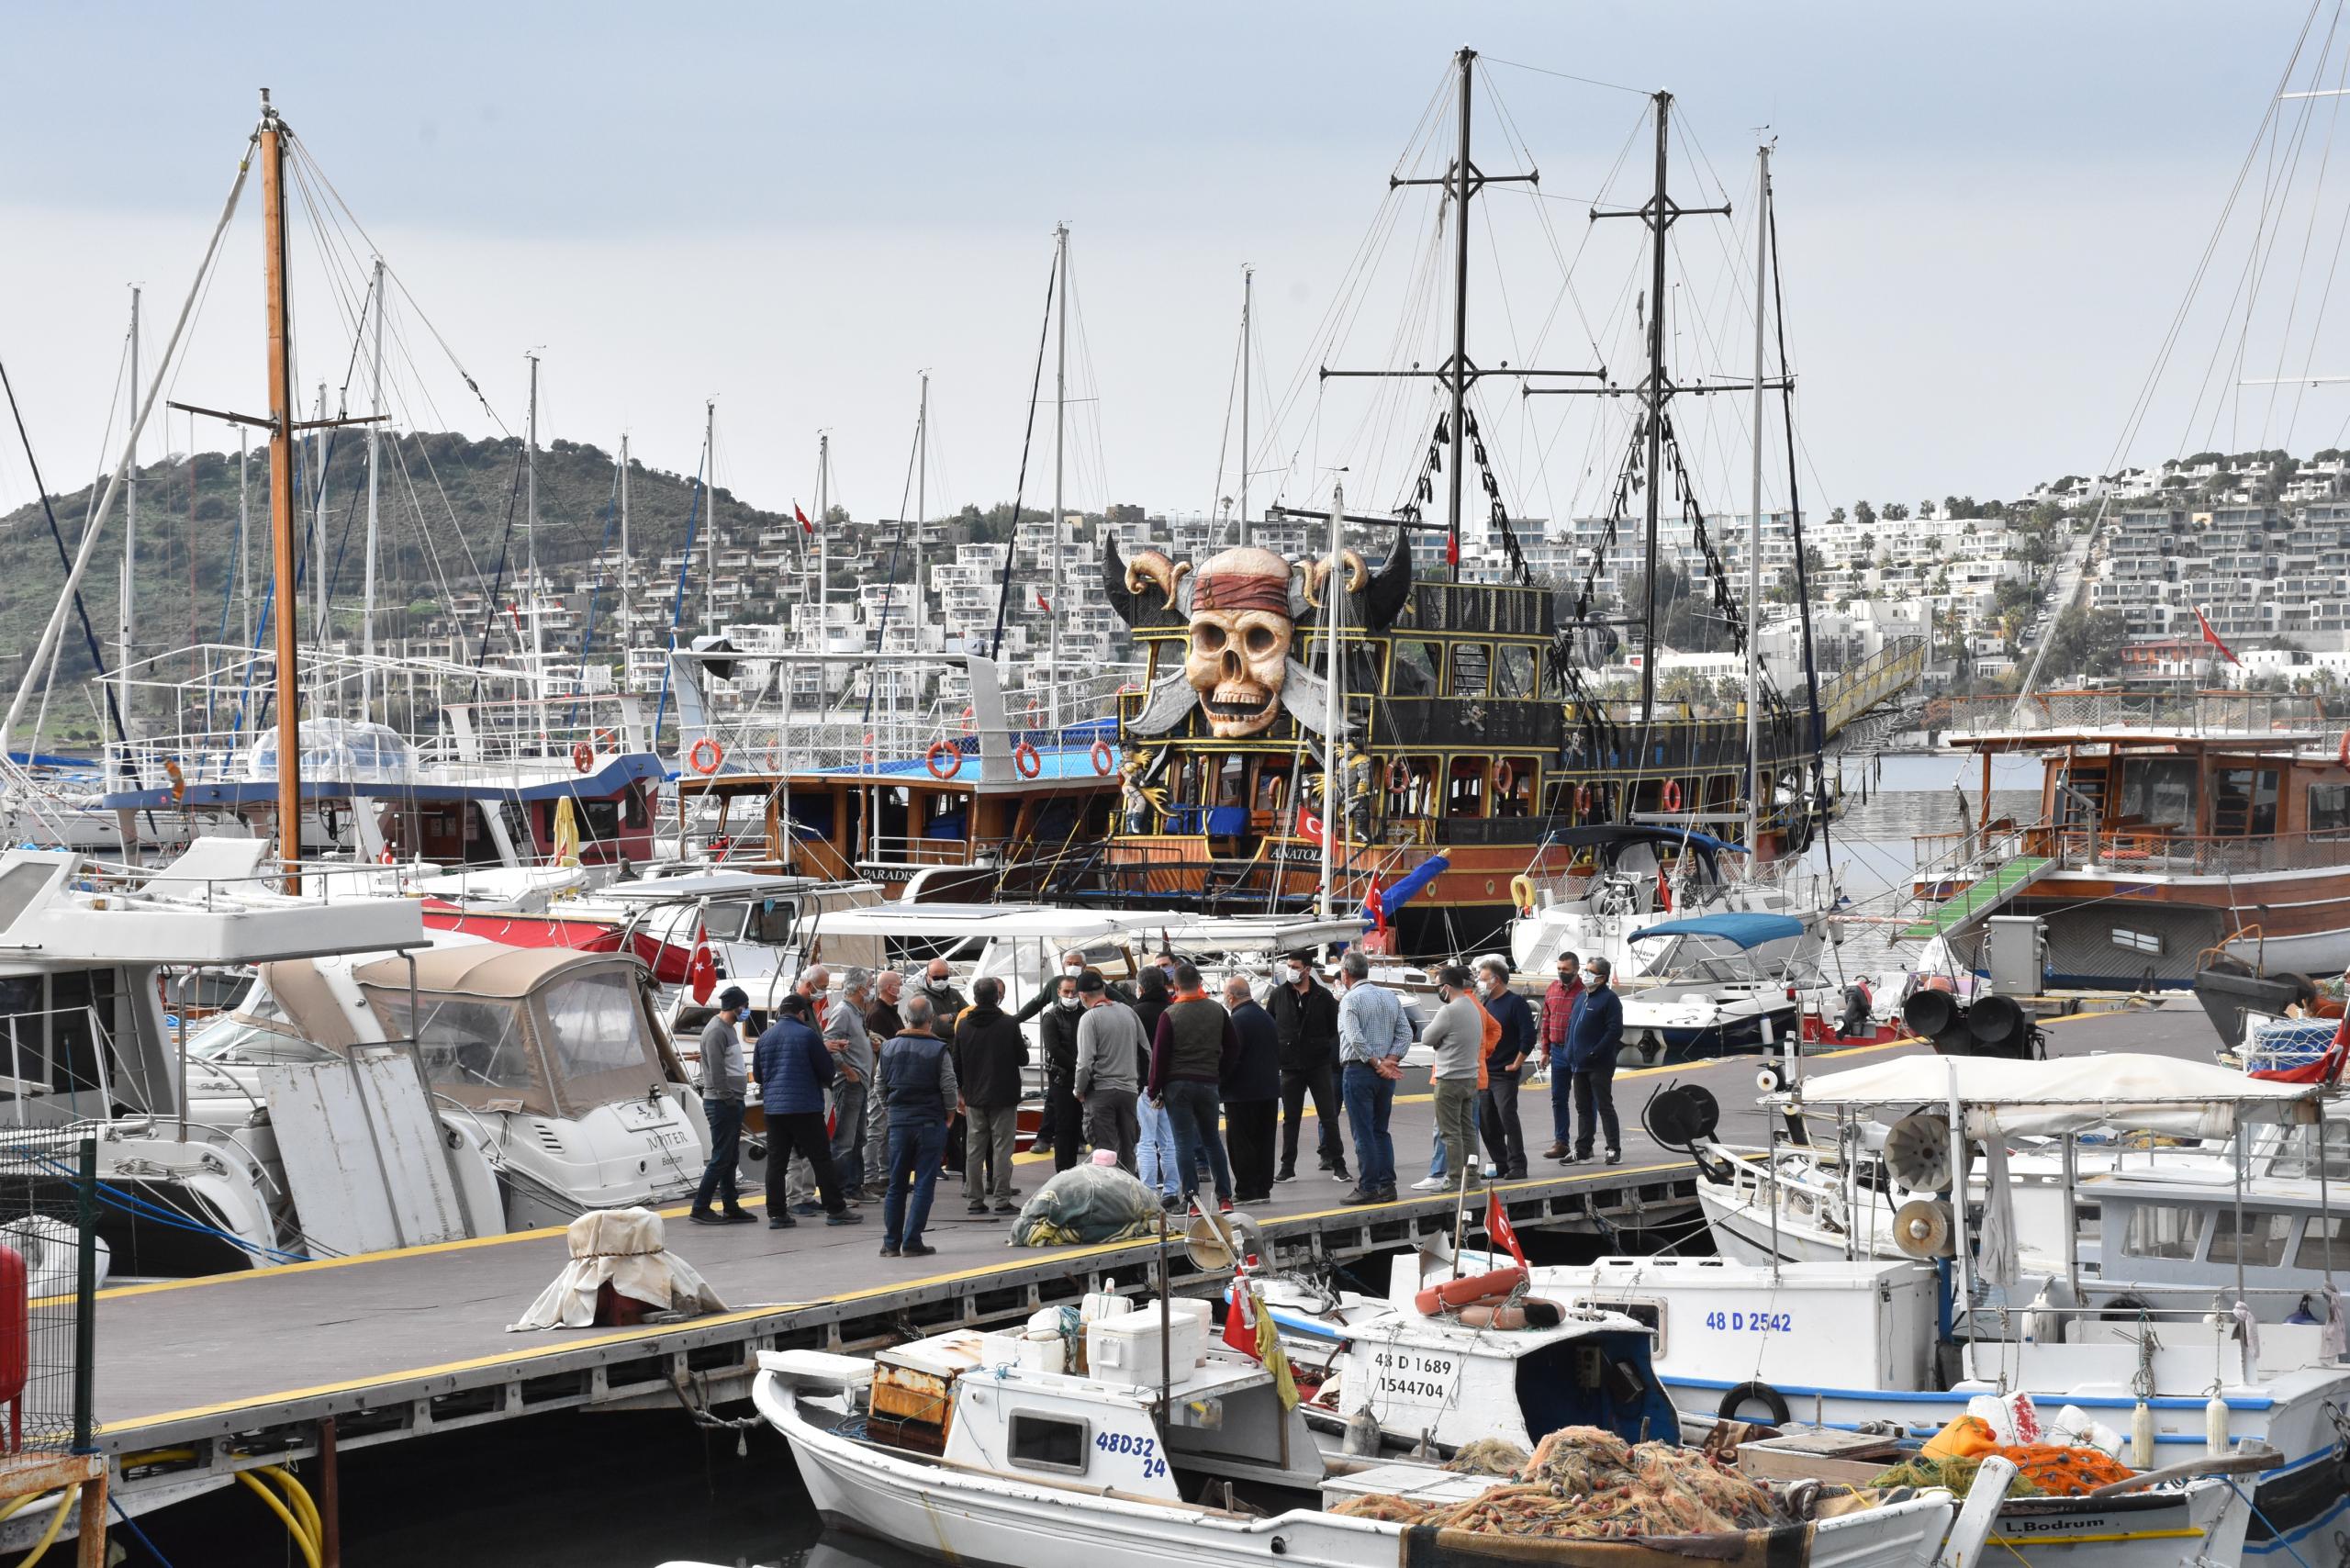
x,y
1987,214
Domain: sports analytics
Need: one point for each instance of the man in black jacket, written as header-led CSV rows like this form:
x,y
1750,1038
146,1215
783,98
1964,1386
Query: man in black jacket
x,y
990,1052
1057,1011
1252,1088
1306,1016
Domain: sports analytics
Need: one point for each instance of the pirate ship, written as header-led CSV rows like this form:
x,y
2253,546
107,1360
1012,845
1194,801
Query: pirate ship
x,y
1326,730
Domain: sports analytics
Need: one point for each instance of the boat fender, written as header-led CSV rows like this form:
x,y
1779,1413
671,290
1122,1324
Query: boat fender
x,y
1521,893
1026,762
1104,759
1582,799
970,720
1672,794
945,760
179,780
1482,1314
583,756
1473,1288
1399,776
1758,1392
705,756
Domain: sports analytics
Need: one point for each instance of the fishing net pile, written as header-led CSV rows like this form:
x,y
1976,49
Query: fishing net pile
x,y
1586,1484
2043,1470
1086,1204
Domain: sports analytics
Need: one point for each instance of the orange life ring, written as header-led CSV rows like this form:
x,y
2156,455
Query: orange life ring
x,y
1496,1285
705,756
1399,776
583,756
868,751
1104,759
607,739
945,760
2342,752
1505,777
1672,794
1582,799
179,780
970,720
1026,762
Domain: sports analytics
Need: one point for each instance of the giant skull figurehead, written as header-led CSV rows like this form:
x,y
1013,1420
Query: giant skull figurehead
x,y
1240,636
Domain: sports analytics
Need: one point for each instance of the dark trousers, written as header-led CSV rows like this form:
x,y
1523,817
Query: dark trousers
x,y
1595,1091
1371,1100
915,1149
953,1148
1563,1099
1250,1123
725,1118
1196,1109
1063,1119
1497,1122
802,1133
1321,1083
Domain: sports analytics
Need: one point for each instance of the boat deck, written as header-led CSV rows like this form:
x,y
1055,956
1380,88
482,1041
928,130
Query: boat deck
x,y
243,1370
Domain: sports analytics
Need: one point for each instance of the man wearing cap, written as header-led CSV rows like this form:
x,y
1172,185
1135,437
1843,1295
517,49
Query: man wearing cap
x,y
723,1084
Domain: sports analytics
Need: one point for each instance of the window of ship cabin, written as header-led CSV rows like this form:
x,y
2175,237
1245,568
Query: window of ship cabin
x,y
724,921
2157,1232
1517,799
1418,669
1229,780
2080,795
1416,797
1464,789
772,923
2259,1245
1273,786
2328,808
1473,670
1039,1441
2322,1243
2158,790
1514,671
2243,800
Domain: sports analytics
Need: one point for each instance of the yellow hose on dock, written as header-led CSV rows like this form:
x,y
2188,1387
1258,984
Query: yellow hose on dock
x,y
56,1523
294,1526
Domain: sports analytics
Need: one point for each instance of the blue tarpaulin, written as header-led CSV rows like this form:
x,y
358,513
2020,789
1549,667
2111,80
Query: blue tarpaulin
x,y
1743,930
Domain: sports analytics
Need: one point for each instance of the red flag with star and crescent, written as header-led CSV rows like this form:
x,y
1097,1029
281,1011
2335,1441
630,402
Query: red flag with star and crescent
x,y
1501,1233
2212,637
805,526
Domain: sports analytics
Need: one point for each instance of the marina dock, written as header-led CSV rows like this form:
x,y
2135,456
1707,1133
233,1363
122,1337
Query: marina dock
x,y
234,1371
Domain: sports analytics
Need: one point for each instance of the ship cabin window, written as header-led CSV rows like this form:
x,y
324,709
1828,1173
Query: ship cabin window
x,y
1039,1441
2157,791
1464,790
1649,1315
2154,1231
2326,1243
1230,780
2243,801
2261,1243
724,922
1272,785
1411,787
1514,787
1514,672
2328,808
771,924
1473,670
1417,670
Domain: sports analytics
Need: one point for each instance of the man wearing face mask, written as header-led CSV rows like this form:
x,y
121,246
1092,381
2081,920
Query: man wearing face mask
x,y
1457,1034
1558,1015
946,1004
1306,1016
1058,1014
1497,1104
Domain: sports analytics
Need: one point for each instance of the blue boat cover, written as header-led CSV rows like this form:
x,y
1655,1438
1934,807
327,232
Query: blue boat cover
x,y
1746,930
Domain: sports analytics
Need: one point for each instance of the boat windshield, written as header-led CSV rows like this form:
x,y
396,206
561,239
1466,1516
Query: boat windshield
x,y
259,1031
472,1048
596,1032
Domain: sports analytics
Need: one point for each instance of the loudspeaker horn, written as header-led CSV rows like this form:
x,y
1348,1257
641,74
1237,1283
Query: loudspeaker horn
x,y
1921,1229
1917,1151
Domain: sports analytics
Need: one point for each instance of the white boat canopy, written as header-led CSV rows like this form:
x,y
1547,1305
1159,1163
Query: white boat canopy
x,y
1009,922
2005,1098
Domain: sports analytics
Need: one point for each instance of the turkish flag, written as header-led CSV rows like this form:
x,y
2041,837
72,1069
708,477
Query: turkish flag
x,y
701,968
1239,1317
1374,908
1501,1233
1309,826
2214,637
805,526
1043,603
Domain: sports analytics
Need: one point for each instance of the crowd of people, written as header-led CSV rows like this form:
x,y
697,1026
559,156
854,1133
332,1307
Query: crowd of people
x,y
873,1092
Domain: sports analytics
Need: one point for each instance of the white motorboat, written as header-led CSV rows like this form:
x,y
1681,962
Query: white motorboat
x,y
1719,985
978,1458
1591,888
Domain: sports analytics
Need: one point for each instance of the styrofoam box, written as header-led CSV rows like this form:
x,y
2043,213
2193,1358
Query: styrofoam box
x,y
1125,1348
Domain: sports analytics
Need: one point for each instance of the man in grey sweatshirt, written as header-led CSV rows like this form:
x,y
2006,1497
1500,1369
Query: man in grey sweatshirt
x,y
1109,1061
1457,1034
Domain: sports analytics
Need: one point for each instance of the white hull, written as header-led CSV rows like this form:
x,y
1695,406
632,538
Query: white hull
x,y
972,1516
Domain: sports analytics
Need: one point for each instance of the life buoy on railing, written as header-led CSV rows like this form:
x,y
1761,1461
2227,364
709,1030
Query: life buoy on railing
x,y
705,756
970,720
945,760
179,780
1399,776
1496,1285
1504,778
1521,893
1672,794
1026,762
607,739
1582,799
583,756
868,751
2342,752
1104,759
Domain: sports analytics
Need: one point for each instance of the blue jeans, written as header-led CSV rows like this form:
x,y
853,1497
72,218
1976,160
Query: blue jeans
x,y
915,1149
1370,1099
725,1118
1197,1111
1154,1155
1563,1099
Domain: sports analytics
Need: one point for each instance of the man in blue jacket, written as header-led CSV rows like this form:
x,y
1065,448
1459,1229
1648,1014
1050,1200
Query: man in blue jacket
x,y
794,1069
1592,1040
919,1092
1497,1117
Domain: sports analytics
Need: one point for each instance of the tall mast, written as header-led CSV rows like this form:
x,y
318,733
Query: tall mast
x,y
628,628
1659,222
1334,815
921,501
531,544
128,600
1460,363
321,625
281,495
709,514
1247,289
1754,536
1060,421
375,429
824,531
244,529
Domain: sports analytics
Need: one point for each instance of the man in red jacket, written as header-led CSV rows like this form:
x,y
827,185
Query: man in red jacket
x,y
1558,1013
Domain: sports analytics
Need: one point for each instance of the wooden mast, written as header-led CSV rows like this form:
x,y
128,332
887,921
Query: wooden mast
x,y
281,495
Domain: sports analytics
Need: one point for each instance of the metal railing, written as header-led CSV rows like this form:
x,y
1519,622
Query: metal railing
x,y
1883,674
2195,712
2138,850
